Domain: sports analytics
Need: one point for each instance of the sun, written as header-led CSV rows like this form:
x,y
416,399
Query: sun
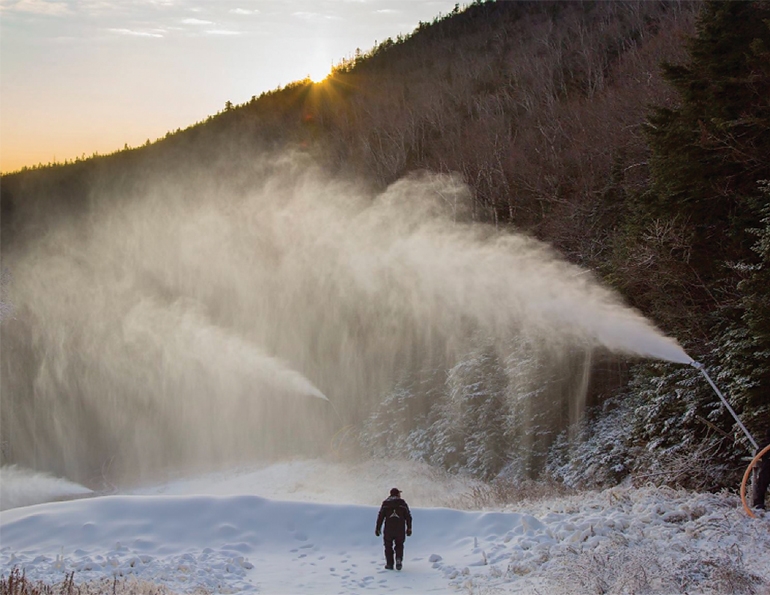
x,y
318,72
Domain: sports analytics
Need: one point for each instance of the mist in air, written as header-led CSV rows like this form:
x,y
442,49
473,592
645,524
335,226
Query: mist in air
x,y
178,324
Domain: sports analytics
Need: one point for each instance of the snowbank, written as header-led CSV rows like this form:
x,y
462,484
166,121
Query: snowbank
x,y
620,540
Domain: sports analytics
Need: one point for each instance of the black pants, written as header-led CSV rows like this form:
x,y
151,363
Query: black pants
x,y
394,540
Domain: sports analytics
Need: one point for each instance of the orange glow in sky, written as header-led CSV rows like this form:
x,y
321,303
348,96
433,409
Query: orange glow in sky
x,y
79,77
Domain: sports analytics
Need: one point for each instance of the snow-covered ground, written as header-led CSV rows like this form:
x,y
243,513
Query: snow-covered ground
x,y
308,527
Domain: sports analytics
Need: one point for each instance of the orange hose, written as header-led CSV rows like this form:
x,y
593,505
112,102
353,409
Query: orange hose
x,y
753,463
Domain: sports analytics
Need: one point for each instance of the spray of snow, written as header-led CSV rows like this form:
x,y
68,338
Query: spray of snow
x,y
180,321
330,482
186,335
22,487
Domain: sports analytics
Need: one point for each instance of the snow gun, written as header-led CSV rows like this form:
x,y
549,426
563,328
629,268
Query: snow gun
x,y
702,369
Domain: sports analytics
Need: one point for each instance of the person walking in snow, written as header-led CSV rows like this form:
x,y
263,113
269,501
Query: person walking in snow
x,y
762,477
398,526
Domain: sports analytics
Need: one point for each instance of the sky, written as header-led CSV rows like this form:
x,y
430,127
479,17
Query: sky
x,y
79,77
308,527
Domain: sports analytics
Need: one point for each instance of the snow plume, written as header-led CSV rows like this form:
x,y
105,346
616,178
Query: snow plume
x,y
183,319
23,487
184,334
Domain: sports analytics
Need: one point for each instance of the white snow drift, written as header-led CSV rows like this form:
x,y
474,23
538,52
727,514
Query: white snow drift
x,y
622,540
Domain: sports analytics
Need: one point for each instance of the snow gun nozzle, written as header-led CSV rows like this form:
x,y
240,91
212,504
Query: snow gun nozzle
x,y
702,369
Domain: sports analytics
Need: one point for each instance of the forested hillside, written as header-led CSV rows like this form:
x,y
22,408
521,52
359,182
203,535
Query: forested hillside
x,y
633,137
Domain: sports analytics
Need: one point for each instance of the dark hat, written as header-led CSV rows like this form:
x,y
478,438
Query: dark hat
x,y
395,492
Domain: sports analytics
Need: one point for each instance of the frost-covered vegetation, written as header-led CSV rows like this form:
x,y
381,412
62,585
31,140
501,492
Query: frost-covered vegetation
x,y
16,583
307,527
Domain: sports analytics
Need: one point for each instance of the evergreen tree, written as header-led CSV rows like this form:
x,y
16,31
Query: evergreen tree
x,y
710,151
477,385
744,346
708,155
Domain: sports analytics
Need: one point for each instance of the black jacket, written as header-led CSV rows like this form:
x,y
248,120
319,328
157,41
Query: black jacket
x,y
395,512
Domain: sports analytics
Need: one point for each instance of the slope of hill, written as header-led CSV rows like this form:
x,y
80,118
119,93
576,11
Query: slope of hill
x,y
535,113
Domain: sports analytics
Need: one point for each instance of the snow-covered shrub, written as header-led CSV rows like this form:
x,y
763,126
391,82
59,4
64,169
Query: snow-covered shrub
x,y
455,420
666,427
476,389
494,413
611,571
636,570
503,491
690,438
603,451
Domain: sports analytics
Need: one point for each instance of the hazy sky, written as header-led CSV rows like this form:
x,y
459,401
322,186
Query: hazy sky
x,y
79,76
